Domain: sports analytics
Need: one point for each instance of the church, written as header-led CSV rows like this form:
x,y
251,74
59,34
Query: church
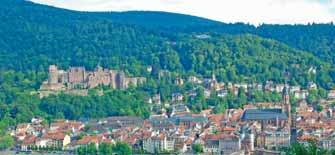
x,y
271,127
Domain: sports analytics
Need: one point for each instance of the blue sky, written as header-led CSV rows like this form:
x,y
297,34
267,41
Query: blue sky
x,y
249,11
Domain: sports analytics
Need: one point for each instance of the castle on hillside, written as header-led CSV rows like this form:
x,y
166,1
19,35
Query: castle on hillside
x,y
77,78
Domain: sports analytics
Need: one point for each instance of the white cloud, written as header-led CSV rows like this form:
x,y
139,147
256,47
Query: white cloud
x,y
251,11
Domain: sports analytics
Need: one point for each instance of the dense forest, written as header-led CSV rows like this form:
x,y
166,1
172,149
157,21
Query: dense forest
x,y
33,36
314,38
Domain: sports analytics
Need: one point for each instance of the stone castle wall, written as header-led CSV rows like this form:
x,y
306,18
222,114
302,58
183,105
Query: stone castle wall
x,y
79,78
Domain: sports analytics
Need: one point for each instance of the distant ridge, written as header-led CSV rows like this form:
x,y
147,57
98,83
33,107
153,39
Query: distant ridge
x,y
315,38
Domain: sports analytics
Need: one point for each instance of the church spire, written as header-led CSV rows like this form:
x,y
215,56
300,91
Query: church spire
x,y
286,105
285,95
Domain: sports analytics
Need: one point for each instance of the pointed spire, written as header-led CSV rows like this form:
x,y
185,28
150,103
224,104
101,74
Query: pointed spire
x,y
213,77
285,90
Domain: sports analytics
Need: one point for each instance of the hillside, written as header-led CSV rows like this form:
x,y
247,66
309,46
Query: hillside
x,y
315,38
154,19
35,36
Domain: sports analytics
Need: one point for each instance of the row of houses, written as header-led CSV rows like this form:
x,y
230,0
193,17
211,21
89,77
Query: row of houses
x,y
222,89
254,128
56,135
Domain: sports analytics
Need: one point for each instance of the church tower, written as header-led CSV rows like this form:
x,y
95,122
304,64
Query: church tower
x,y
286,106
291,120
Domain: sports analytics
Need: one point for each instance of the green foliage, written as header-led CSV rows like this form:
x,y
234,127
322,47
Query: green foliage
x,y
250,58
312,97
197,148
6,141
35,36
114,43
319,108
310,149
261,96
314,38
218,103
112,103
198,102
89,149
105,149
122,148
19,101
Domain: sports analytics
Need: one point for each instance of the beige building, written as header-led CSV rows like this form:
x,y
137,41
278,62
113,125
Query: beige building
x,y
159,143
222,144
56,139
77,78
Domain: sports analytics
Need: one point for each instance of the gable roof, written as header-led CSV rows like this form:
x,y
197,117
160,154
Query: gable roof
x,y
263,114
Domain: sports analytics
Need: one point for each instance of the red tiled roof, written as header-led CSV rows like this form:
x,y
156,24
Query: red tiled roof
x,y
236,114
29,140
229,129
22,126
306,138
219,136
130,140
67,124
54,136
90,139
216,117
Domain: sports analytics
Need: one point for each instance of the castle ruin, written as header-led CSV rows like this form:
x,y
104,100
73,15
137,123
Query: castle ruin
x,y
77,80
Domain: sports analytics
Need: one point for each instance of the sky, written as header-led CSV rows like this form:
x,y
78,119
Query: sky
x,y
229,11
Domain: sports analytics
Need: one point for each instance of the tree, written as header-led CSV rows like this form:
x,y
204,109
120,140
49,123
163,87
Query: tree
x,y
319,108
105,149
310,149
241,98
88,149
197,148
6,141
221,107
122,148
312,97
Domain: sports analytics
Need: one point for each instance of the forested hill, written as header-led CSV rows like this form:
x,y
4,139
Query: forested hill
x,y
34,36
315,38
163,20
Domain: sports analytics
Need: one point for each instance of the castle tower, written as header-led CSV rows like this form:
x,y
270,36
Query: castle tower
x,y
113,75
121,81
53,75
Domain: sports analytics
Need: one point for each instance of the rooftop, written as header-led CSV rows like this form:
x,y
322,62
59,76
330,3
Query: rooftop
x,y
263,114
